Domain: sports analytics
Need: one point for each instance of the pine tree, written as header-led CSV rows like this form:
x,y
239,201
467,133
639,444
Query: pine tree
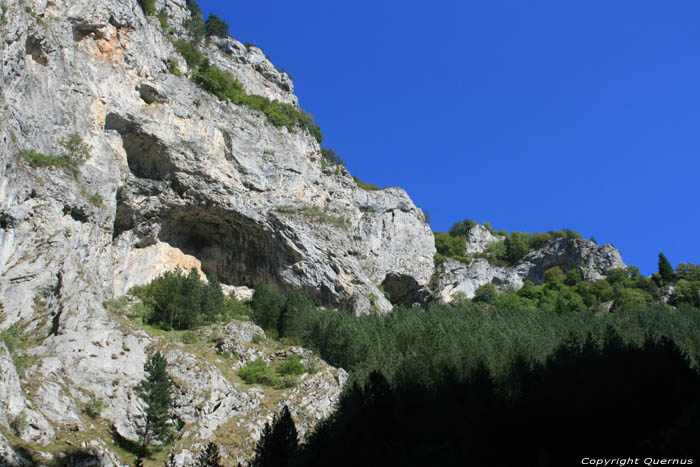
x,y
665,269
278,443
210,457
156,392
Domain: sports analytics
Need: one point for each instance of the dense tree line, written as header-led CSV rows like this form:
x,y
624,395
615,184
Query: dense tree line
x,y
413,344
177,300
596,399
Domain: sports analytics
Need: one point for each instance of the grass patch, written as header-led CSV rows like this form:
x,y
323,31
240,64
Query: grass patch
x,y
37,159
315,214
96,200
366,186
19,424
148,7
94,407
173,68
163,18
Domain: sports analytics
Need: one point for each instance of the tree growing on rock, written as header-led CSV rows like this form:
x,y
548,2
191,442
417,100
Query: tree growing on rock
x,y
278,443
665,269
156,392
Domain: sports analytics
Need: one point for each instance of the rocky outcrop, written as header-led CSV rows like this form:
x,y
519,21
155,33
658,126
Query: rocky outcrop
x,y
454,278
176,178
479,238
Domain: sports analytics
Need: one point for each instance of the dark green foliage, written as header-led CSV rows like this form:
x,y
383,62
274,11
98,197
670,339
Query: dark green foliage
x,y
516,246
366,186
210,457
163,19
686,292
278,443
148,7
461,229
216,26
257,372
189,52
220,83
538,240
177,300
156,392
573,277
291,366
485,294
195,24
589,395
286,316
449,245
266,307
411,344
329,157
665,269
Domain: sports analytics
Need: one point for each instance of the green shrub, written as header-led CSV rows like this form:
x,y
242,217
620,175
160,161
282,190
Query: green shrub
x,y
36,159
190,52
94,407
148,7
189,337
220,83
573,277
257,372
461,229
291,366
485,294
287,381
538,240
163,19
366,186
554,274
329,158
19,424
96,200
195,25
450,246
516,246
216,26
173,68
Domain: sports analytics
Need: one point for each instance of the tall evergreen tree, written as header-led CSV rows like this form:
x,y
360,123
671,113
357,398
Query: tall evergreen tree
x,y
210,457
278,443
156,392
665,269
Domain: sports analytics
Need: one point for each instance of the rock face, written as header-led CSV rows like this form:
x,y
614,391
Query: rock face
x,y
479,239
176,177
453,277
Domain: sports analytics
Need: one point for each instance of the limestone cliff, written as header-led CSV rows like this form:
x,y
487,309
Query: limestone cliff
x,y
175,177
454,277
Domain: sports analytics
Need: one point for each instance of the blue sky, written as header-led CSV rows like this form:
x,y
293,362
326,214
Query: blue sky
x,y
533,115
